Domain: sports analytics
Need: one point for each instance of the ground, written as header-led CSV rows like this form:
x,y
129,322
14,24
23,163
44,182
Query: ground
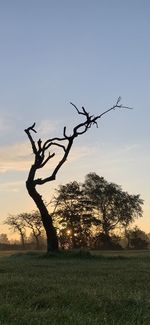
x,y
107,288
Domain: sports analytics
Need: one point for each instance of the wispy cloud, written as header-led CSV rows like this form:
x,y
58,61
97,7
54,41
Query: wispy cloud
x,y
19,156
82,151
47,127
15,157
129,148
11,186
6,124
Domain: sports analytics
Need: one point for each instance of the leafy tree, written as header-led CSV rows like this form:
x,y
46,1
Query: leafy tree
x,y
4,239
113,206
41,158
137,239
17,224
31,240
74,215
34,223
103,241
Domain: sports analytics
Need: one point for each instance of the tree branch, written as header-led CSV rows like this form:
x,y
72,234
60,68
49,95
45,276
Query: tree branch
x,y
31,128
79,129
47,142
40,181
47,159
55,144
112,108
92,119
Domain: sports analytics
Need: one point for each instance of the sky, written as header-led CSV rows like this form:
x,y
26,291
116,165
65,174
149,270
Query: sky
x,y
89,52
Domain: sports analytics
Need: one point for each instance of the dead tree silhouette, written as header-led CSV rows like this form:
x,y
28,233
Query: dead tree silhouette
x,y
41,159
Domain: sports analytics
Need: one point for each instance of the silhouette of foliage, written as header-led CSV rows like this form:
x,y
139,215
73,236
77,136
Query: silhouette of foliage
x,y
137,239
113,206
4,239
74,214
103,241
17,224
34,223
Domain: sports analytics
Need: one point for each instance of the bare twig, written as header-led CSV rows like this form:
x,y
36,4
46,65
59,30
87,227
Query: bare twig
x,y
79,129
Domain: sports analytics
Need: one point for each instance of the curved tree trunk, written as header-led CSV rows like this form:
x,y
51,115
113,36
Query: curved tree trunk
x,y
52,239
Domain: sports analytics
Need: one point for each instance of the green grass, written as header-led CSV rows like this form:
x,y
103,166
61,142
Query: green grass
x,y
110,288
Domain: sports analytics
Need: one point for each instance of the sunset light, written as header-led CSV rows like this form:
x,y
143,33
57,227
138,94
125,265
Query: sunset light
x,y
74,162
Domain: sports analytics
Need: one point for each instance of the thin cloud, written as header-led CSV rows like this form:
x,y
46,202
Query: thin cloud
x,y
11,186
19,156
77,153
47,127
6,124
15,157
82,151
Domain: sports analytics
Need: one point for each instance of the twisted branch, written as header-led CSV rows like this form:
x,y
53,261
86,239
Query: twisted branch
x,y
79,129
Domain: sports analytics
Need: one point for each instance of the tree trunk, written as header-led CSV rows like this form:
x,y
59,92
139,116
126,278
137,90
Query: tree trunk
x,y
22,240
128,238
106,229
52,239
37,242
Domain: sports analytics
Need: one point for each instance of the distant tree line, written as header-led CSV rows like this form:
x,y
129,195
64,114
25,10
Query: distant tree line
x,y
27,222
96,214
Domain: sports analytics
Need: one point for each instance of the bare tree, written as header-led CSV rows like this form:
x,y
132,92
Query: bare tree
x,y
17,224
41,159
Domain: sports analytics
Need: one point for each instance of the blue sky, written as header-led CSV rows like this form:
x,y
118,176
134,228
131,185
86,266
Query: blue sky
x,y
87,52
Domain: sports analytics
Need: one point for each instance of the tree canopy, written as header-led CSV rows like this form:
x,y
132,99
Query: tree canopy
x,y
137,239
114,206
95,206
74,214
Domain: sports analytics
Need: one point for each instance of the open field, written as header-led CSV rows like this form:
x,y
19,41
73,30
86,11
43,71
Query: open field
x,y
112,288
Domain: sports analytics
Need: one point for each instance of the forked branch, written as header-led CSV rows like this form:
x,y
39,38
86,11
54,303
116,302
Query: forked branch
x,y
90,119
79,129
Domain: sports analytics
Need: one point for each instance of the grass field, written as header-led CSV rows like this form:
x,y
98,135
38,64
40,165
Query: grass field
x,y
109,288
